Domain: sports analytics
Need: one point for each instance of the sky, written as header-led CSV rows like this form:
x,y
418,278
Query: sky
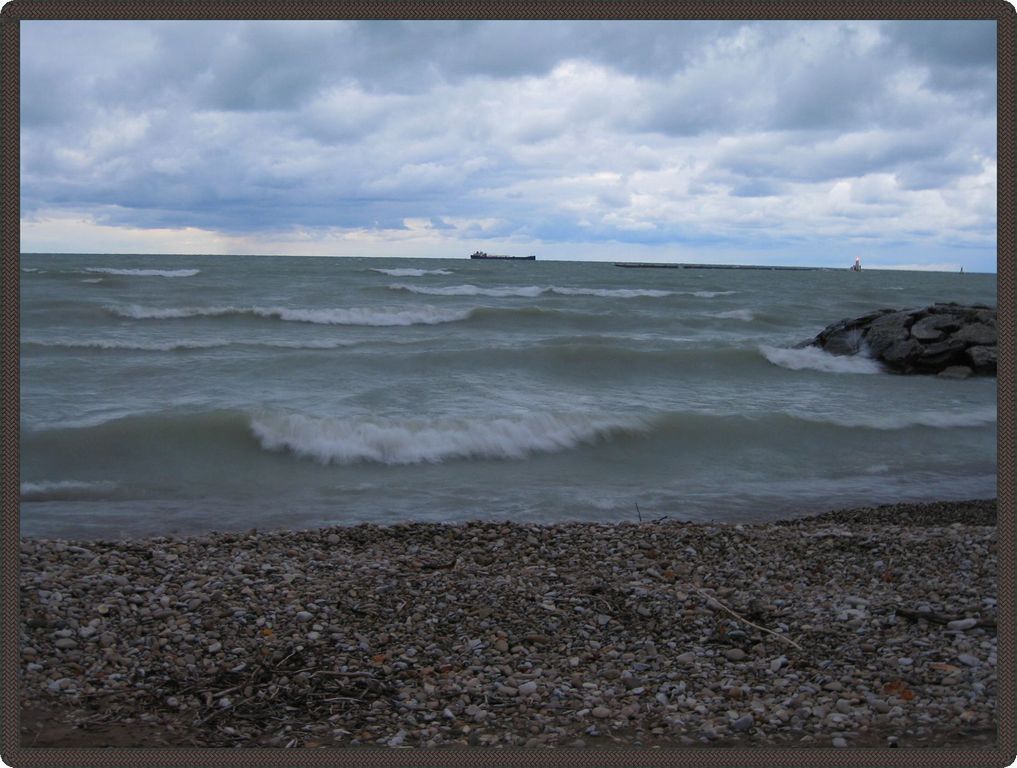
x,y
768,142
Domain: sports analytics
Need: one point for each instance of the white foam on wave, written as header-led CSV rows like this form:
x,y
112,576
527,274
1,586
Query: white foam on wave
x,y
529,291
145,272
709,294
54,490
416,441
409,272
92,280
816,359
372,316
873,419
621,293
140,346
736,314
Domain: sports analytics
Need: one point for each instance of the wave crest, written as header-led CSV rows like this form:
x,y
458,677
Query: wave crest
x,y
815,359
145,272
410,272
372,316
416,441
530,291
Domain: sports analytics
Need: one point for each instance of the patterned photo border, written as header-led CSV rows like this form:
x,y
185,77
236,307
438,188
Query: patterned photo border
x,y
27,10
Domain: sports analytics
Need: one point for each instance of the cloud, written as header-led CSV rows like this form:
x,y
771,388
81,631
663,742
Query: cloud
x,y
752,135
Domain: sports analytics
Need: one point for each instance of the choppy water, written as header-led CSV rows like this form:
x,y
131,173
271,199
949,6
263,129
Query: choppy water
x,y
180,394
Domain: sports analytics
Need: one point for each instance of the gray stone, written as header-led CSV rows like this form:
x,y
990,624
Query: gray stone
x,y
743,723
734,654
886,331
601,712
527,688
934,327
66,643
962,624
955,372
983,359
976,333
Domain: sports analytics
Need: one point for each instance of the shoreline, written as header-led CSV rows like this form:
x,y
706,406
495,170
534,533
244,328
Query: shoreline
x,y
873,626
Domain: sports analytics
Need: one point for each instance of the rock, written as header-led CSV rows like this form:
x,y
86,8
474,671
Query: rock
x,y
968,660
686,658
743,723
304,616
962,624
933,339
527,688
66,643
734,654
934,327
977,334
601,712
983,358
955,372
839,742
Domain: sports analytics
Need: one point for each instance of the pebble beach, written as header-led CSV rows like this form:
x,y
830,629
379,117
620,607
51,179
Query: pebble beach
x,y
870,627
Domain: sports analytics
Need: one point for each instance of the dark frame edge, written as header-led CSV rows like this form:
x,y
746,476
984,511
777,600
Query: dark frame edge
x,y
13,12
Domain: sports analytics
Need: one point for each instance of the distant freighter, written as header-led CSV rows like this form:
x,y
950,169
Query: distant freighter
x,y
482,255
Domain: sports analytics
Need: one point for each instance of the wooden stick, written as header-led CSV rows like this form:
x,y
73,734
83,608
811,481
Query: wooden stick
x,y
743,619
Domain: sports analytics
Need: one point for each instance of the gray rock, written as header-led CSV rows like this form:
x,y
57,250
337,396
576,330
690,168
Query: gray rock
x,y
955,372
983,359
734,654
839,742
66,643
527,688
976,333
601,712
743,723
927,340
934,327
962,624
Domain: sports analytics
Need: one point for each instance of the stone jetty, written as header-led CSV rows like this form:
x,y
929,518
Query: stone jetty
x,y
950,340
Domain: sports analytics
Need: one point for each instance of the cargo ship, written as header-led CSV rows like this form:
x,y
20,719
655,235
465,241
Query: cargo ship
x,y
482,255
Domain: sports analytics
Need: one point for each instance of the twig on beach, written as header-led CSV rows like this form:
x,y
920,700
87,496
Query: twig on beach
x,y
640,514
786,639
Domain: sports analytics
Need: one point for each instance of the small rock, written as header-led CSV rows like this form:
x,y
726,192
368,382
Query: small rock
x,y
743,723
962,624
839,742
734,654
304,616
66,643
527,688
601,712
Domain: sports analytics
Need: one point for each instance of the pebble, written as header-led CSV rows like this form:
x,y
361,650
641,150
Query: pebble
x,y
527,688
545,645
839,742
962,624
743,723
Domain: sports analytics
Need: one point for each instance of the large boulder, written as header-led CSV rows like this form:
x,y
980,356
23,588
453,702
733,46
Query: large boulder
x,y
928,340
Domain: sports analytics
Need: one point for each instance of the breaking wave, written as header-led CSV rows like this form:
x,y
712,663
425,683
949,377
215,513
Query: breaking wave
x,y
815,359
408,272
372,316
736,314
415,441
173,346
530,291
145,272
65,490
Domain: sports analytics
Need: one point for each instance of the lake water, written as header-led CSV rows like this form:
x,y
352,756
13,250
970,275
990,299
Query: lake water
x,y
181,394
